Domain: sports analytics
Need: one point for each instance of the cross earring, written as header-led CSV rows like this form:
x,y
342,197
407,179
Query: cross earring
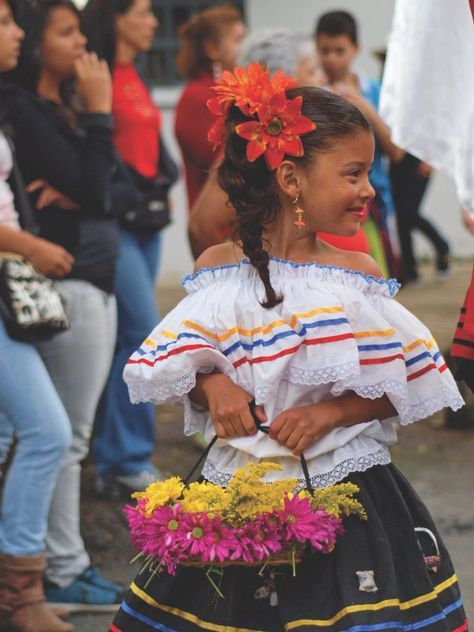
x,y
299,221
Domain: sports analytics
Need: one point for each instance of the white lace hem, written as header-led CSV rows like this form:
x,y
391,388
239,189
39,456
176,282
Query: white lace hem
x,y
160,391
407,409
171,390
340,471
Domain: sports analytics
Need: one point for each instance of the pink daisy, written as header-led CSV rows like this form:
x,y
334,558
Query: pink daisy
x,y
254,543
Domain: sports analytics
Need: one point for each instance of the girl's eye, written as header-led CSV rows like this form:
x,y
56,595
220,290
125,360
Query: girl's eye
x,y
354,174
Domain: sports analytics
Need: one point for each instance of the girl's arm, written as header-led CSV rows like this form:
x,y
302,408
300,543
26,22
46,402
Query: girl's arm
x,y
228,405
295,428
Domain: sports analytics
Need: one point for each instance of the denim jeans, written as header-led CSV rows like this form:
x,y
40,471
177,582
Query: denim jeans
x,y
78,361
125,433
31,409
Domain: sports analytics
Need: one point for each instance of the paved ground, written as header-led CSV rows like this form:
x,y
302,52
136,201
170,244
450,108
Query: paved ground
x,y
436,459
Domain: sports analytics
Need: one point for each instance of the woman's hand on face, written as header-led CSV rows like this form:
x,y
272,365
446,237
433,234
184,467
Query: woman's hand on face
x,y
94,83
49,258
298,428
50,195
229,407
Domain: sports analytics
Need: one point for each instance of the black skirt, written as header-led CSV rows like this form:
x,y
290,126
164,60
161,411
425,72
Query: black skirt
x,y
382,576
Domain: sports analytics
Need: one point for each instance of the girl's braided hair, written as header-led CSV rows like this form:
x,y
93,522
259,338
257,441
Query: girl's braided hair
x,y
251,185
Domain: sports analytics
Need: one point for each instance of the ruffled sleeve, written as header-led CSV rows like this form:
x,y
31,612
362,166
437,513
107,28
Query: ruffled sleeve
x,y
164,368
336,330
397,356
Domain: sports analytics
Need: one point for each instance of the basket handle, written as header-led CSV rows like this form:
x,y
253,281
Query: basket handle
x,y
264,429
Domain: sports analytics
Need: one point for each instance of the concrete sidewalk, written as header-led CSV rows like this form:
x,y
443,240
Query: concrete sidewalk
x,y
438,461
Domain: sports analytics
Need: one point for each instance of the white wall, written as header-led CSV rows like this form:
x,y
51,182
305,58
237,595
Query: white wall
x,y
374,19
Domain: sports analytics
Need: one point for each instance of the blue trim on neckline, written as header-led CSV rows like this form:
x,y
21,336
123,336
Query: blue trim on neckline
x,y
392,284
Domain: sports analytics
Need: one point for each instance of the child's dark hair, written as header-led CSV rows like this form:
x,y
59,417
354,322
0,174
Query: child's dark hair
x,y
251,185
337,23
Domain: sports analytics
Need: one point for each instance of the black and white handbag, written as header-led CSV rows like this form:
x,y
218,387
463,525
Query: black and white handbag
x,y
31,306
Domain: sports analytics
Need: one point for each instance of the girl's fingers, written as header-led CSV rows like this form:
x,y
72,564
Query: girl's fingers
x,y
284,434
276,425
220,431
293,439
300,447
260,413
247,422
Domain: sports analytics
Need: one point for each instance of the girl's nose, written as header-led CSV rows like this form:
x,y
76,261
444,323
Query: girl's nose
x,y
368,192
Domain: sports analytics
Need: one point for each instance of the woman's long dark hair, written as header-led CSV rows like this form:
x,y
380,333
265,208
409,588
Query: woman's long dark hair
x,y
98,23
32,16
251,186
4,127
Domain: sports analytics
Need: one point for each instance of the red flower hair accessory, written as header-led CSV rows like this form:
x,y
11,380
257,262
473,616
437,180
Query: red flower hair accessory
x,y
276,122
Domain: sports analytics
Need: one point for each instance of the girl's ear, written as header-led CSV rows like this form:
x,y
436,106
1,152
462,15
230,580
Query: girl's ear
x,y
288,179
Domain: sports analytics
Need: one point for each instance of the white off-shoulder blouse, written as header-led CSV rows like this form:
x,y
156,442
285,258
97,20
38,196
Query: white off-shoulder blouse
x,y
336,330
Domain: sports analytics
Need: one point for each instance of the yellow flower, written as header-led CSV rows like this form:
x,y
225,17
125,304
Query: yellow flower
x,y
160,493
207,497
250,496
337,500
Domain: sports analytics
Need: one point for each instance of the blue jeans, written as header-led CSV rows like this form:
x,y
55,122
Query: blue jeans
x,y
78,361
31,409
125,432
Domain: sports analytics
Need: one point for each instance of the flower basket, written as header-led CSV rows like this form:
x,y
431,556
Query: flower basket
x,y
251,522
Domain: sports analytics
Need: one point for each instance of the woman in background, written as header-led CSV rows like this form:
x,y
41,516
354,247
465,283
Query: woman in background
x,y
210,44
118,31
62,151
39,421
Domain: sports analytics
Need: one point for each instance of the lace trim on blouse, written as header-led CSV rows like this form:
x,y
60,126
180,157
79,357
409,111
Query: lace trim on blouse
x,y
353,464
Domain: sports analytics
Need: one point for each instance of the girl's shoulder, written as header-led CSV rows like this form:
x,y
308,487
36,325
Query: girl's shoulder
x,y
350,260
219,255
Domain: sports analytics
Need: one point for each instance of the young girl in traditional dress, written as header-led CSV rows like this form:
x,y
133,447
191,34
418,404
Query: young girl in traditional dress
x,y
315,336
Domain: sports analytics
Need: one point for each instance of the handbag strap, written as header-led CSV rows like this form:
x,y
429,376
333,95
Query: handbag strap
x,y
22,202
265,430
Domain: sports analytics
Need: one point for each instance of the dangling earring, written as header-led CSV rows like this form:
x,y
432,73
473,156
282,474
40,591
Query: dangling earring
x,y
299,221
216,70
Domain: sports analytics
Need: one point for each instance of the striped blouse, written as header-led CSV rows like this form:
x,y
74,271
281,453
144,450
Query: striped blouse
x,y
336,330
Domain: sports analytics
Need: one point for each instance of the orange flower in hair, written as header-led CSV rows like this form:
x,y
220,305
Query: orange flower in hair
x,y
276,130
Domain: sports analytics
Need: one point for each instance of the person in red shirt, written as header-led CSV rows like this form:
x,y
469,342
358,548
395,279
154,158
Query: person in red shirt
x,y
210,44
125,433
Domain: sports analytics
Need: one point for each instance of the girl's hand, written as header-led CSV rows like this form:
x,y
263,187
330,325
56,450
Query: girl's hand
x,y
50,195
49,258
228,406
94,83
298,428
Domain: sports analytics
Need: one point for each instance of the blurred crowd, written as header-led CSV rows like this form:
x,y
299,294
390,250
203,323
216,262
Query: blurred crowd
x,y
82,150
